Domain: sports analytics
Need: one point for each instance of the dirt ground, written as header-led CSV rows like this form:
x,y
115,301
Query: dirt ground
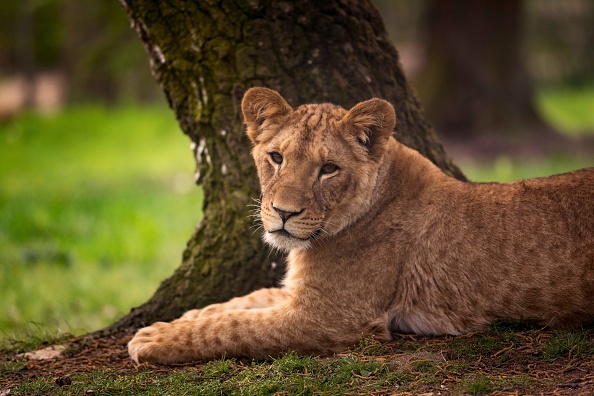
x,y
516,360
87,354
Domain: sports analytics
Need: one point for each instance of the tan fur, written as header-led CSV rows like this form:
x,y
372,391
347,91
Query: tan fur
x,y
388,243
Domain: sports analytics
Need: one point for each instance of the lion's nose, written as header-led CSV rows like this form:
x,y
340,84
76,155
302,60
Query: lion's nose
x,y
286,214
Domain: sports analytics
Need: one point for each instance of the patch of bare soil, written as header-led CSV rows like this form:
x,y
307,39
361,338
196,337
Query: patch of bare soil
x,y
82,354
515,363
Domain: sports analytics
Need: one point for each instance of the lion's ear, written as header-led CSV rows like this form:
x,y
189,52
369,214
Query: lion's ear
x,y
372,123
261,104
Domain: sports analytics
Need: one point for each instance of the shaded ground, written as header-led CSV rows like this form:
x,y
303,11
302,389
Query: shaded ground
x,y
500,360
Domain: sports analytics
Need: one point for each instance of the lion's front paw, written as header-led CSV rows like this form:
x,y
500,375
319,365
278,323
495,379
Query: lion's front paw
x,y
158,343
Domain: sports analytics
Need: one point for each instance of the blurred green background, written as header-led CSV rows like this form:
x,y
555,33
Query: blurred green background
x,y
97,196
95,207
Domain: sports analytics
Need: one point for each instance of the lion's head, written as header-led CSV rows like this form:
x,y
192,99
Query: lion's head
x,y
317,164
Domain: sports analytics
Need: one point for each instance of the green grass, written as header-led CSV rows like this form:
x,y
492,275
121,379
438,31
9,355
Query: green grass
x,y
424,369
290,374
95,208
506,169
34,336
478,385
569,344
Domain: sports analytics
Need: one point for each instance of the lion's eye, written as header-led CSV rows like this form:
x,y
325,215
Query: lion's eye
x,y
277,158
328,169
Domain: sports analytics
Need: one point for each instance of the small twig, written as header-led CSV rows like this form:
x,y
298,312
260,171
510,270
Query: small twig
x,y
502,351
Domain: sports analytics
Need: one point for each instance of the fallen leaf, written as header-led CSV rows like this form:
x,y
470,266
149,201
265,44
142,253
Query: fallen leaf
x,y
50,352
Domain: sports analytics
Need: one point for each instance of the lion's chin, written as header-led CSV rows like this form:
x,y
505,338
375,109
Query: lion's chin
x,y
284,241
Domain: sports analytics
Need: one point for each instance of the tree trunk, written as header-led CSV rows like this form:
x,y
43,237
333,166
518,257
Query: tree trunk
x,y
475,78
205,54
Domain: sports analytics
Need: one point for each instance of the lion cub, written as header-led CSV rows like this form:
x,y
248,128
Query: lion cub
x,y
382,241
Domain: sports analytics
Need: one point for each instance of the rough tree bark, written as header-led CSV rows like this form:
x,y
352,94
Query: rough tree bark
x,y
205,54
475,77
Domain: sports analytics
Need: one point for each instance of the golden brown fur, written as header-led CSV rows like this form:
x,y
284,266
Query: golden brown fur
x,y
382,241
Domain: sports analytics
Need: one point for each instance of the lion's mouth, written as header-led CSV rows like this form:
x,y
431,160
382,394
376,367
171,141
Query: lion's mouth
x,y
284,233
285,240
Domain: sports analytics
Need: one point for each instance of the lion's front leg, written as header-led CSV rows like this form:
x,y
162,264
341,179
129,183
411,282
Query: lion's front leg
x,y
259,299
255,333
